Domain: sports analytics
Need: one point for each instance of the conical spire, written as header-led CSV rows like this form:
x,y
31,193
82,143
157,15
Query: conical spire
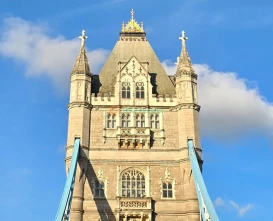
x,y
82,65
184,65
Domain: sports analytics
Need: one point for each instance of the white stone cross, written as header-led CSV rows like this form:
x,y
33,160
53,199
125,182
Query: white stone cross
x,y
132,13
83,37
177,61
183,38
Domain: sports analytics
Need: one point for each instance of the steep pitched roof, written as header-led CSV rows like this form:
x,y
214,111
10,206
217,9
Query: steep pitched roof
x,y
134,43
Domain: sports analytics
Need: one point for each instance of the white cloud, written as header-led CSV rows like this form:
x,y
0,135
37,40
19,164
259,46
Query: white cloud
x,y
229,106
29,44
219,202
241,210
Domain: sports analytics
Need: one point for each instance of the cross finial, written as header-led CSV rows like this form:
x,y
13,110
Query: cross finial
x,y
183,38
83,37
132,13
177,61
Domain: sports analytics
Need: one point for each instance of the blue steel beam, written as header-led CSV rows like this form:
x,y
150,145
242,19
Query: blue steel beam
x,y
206,207
64,207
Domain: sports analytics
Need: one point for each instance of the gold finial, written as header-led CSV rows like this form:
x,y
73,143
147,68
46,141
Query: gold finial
x,y
142,25
122,25
183,38
132,25
83,37
132,13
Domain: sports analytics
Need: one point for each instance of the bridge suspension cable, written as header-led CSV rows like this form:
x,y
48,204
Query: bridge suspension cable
x,y
207,210
64,207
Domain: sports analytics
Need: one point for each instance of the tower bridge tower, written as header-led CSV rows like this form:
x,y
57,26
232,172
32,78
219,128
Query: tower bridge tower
x,y
134,122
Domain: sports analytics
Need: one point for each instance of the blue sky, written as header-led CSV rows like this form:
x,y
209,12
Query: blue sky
x,y
230,43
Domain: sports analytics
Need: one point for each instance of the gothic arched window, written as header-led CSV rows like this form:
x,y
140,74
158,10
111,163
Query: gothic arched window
x,y
154,121
139,90
125,90
140,120
132,184
167,190
111,120
125,120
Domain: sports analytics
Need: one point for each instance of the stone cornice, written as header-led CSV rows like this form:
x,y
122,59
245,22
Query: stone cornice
x,y
184,72
81,73
79,104
133,150
187,106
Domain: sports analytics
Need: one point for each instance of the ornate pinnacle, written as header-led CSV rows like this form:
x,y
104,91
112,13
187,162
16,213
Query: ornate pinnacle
x,y
82,65
83,38
132,26
184,64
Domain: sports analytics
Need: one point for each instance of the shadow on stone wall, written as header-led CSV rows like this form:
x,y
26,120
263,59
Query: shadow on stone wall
x,y
103,207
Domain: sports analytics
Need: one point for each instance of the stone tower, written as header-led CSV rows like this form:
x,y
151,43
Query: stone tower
x,y
133,121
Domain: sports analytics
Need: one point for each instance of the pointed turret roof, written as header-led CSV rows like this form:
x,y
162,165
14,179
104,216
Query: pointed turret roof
x,y
82,65
184,65
133,42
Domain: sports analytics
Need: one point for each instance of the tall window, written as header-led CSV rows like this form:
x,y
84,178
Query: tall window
x,y
154,121
139,90
133,184
111,121
167,190
125,120
140,120
99,189
125,90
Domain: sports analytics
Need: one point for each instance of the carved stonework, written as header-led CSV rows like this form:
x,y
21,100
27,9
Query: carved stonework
x,y
167,173
133,69
110,133
133,204
100,173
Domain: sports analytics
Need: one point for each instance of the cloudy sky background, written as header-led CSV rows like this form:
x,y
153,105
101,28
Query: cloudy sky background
x,y
230,46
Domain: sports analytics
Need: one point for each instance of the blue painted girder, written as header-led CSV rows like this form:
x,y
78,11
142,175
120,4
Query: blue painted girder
x,y
69,185
204,200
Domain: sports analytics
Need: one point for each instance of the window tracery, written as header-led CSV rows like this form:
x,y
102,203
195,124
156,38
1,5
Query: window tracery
x,y
111,120
154,121
167,190
139,90
167,186
99,184
140,120
126,90
99,189
132,184
126,120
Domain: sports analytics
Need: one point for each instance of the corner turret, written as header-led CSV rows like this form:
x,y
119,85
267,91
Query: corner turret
x,y
186,78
